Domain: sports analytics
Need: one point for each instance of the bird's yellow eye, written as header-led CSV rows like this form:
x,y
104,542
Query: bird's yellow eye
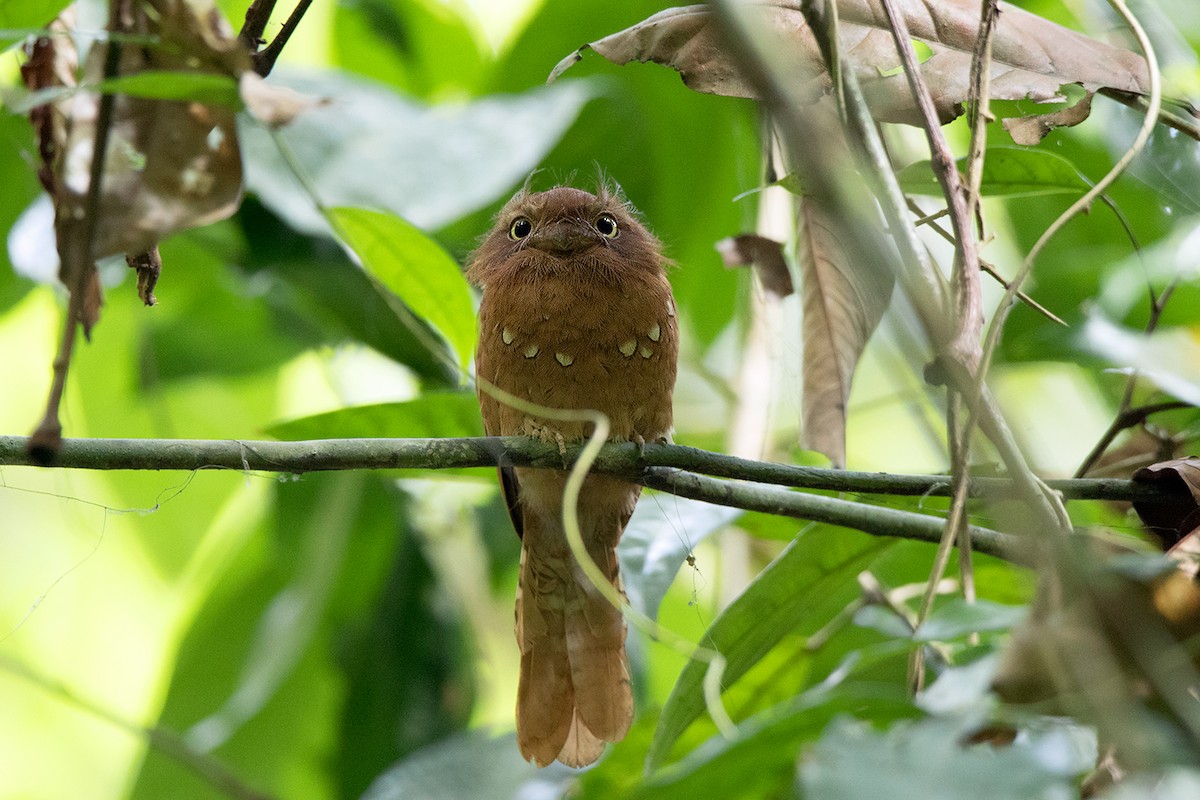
x,y
607,226
520,228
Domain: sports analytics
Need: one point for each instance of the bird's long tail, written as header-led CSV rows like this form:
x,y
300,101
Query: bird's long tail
x,y
574,694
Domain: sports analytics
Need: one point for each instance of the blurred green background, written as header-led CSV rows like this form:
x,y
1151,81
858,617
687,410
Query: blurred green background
x,y
342,635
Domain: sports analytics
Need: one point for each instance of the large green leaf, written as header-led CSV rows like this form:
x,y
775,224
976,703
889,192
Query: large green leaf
x,y
19,16
659,537
927,761
1169,358
780,601
762,756
416,269
204,87
312,285
434,414
957,618
20,188
374,148
1007,171
467,765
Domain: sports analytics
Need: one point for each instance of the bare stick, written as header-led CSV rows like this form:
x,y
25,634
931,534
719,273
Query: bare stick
x,y
76,253
264,60
964,345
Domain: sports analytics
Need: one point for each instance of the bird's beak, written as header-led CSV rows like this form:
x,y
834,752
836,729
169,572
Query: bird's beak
x,y
561,236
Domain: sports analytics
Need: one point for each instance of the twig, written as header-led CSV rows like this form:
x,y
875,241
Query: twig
x,y
876,520
1126,418
255,24
264,60
964,344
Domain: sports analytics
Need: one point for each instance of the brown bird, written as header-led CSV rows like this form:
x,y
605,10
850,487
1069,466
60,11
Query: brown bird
x,y
577,313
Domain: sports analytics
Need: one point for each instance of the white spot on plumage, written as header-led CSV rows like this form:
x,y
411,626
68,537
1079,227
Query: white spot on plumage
x,y
507,336
564,359
647,352
531,351
628,348
655,332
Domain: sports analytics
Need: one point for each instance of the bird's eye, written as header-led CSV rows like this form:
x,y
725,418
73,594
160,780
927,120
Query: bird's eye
x,y
607,226
520,228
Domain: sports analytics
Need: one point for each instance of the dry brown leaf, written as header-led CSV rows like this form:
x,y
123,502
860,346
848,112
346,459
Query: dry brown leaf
x,y
1032,57
1173,520
169,164
1031,130
841,307
764,255
274,105
149,267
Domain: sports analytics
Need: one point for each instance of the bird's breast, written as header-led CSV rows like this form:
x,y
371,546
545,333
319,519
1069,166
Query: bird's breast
x,y
567,344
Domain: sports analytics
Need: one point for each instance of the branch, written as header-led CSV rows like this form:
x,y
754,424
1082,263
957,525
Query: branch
x,y
624,459
255,25
875,520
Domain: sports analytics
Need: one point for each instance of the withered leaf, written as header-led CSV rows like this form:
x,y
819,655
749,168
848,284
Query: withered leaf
x,y
1032,57
764,255
169,164
842,305
149,267
1172,520
1031,130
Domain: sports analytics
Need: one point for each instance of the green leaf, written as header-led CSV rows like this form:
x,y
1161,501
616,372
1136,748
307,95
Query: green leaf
x,y
927,761
205,87
19,17
466,765
1007,171
805,576
408,672
312,285
376,148
652,547
434,414
762,756
1168,358
416,269
291,620
958,618
1175,783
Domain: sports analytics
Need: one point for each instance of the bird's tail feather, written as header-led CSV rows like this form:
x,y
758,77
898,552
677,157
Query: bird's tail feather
x,y
574,693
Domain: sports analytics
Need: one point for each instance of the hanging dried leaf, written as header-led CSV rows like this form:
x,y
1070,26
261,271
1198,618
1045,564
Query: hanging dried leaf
x,y
1031,130
763,255
169,164
1172,520
841,307
149,267
1032,57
